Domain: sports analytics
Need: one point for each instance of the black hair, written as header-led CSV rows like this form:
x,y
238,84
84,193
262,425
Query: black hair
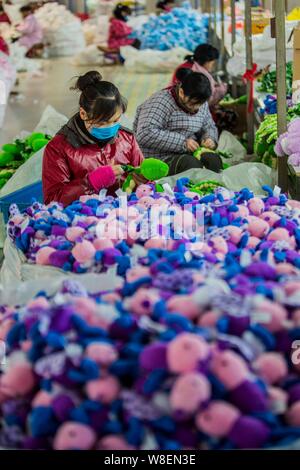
x,y
163,3
99,99
203,53
25,9
195,85
121,10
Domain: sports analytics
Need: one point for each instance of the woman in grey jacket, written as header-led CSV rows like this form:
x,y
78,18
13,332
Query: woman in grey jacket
x,y
174,122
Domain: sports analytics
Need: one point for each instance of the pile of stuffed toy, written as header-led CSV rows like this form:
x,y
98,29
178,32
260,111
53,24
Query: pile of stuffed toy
x,y
194,351
181,27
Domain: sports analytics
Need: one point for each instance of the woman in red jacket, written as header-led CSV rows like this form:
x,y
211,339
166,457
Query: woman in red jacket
x,y
87,154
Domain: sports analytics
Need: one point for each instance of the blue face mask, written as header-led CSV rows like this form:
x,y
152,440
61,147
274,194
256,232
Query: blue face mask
x,y
105,133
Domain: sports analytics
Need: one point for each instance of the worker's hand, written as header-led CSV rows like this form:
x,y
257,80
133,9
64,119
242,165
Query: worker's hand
x,y
192,145
118,170
209,144
139,179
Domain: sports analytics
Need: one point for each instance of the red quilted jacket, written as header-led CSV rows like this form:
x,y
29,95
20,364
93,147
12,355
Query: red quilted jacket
x,y
3,46
118,34
72,154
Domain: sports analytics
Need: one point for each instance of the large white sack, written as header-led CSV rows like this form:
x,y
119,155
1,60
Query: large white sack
x,y
264,53
21,62
16,270
237,177
61,29
152,61
90,55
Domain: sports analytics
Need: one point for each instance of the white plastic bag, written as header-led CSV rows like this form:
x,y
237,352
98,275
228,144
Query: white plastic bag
x,y
51,121
237,177
151,61
230,144
89,56
8,77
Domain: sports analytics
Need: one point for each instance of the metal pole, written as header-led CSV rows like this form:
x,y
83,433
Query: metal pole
x,y
215,23
208,7
249,64
233,39
279,9
222,31
233,24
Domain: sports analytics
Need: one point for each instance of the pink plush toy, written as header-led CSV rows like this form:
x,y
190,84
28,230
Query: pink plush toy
x,y
40,303
42,398
278,400
113,442
270,217
219,245
184,305
221,419
73,233
143,301
271,367
145,202
189,391
156,243
271,315
257,227
256,206
242,212
104,354
233,373
43,255
136,273
253,242
86,307
74,436
18,380
83,251
144,190
282,234
105,390
208,319
235,233
102,243
293,414
187,353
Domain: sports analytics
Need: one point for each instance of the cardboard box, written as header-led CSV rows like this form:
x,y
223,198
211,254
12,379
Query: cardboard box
x,y
296,66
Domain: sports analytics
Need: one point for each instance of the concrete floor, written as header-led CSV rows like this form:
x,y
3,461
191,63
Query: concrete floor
x,y
35,93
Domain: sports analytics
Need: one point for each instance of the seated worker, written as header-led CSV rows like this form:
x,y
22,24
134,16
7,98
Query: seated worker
x,y
87,154
174,122
204,61
119,33
31,33
165,6
3,46
3,15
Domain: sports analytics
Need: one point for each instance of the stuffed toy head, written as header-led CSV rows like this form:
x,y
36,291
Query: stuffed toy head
x,y
74,436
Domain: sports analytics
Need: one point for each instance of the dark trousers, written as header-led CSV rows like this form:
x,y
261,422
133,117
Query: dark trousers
x,y
210,161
